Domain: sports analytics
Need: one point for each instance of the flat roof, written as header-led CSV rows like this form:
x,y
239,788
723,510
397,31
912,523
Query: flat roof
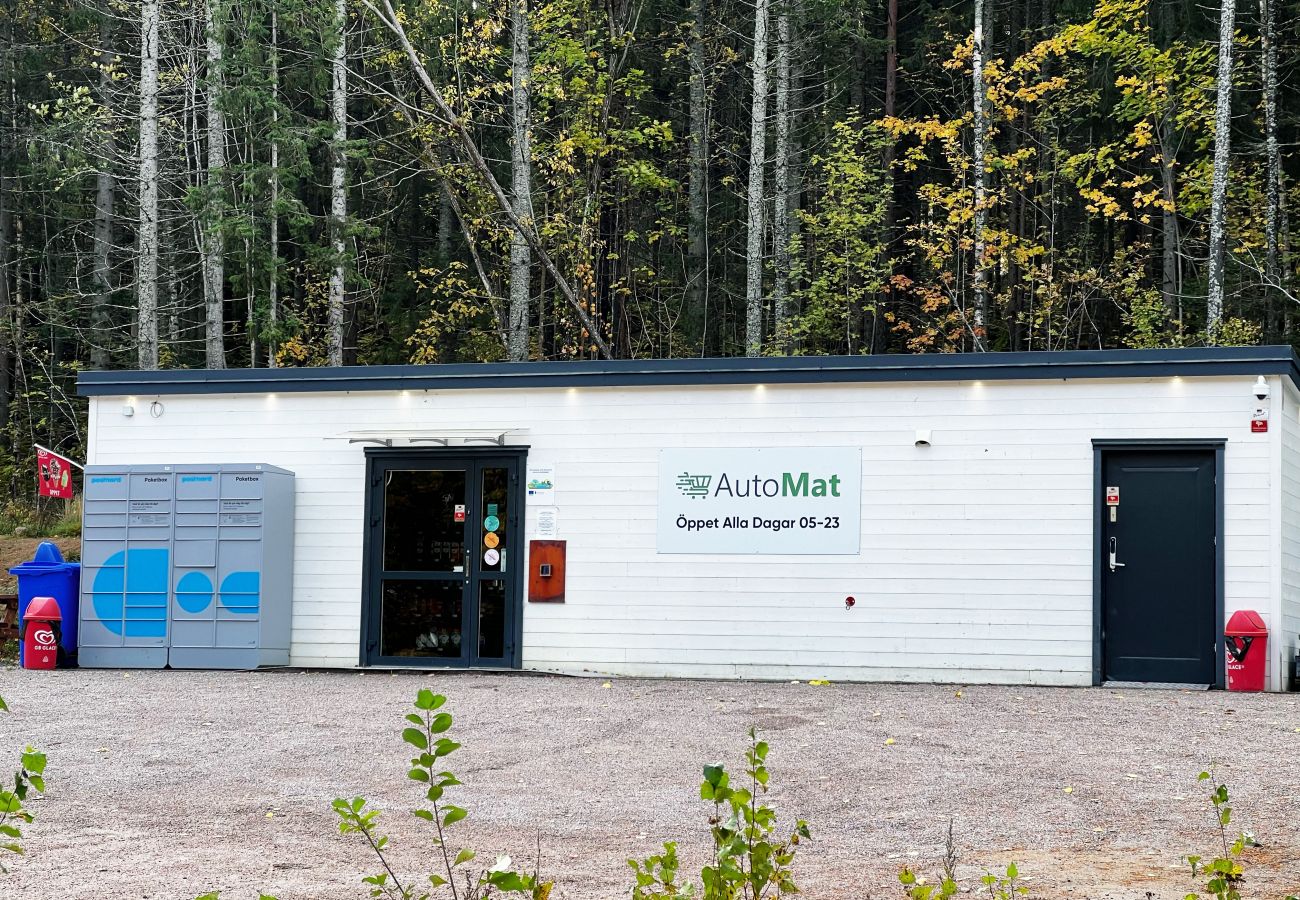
x,y
1062,364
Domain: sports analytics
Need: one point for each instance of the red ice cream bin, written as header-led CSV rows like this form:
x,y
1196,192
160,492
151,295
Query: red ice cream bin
x,y
1246,638
39,633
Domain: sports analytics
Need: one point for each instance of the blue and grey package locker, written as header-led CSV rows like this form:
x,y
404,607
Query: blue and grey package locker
x,y
125,548
187,565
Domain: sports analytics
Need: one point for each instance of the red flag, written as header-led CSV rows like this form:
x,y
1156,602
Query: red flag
x,y
54,473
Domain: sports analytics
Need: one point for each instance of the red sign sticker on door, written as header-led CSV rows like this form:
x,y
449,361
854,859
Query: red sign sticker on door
x,y
1112,495
460,512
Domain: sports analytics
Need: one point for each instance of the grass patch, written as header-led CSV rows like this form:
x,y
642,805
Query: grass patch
x,y
56,518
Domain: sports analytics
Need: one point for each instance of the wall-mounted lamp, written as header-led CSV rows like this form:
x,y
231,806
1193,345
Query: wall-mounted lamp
x,y
922,437
128,411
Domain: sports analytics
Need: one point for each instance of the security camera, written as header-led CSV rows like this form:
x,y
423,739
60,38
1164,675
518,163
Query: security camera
x,y
1261,388
923,437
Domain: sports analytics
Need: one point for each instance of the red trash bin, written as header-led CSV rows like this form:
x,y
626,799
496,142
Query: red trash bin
x,y
39,632
1247,642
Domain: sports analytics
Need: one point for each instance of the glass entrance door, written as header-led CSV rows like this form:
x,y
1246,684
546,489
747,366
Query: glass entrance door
x,y
443,559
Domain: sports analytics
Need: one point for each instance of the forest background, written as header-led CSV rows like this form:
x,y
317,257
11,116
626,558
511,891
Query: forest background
x,y
222,183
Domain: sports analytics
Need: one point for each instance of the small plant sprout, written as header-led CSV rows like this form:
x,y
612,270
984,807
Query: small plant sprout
x,y
1223,874
915,886
749,861
1004,886
29,776
454,876
950,855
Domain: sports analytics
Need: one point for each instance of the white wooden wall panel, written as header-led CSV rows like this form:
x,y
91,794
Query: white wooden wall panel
x,y
1285,642
976,560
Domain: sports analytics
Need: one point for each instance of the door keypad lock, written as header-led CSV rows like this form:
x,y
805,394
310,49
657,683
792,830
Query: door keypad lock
x,y
1113,552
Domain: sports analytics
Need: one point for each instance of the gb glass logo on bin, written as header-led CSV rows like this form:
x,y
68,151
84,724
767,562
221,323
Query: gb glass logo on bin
x,y
43,637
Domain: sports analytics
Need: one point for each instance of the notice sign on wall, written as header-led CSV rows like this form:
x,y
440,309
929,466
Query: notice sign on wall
x,y
782,500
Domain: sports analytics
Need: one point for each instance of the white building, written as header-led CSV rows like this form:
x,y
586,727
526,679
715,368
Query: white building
x,y
717,515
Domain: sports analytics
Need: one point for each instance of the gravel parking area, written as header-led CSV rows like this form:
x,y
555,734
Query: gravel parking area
x,y
167,784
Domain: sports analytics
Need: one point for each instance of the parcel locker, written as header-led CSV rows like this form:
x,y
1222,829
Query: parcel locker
x,y
125,549
188,565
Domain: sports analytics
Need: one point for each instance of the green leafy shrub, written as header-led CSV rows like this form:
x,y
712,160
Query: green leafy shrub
x,y
749,861
18,518
30,776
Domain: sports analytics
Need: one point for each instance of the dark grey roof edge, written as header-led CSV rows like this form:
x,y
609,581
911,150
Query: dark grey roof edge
x,y
1202,361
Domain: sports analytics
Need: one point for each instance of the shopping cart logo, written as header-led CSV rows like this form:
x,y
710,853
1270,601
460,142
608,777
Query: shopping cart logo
x,y
694,486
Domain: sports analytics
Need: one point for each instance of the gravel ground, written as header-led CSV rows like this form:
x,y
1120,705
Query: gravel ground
x,y
167,784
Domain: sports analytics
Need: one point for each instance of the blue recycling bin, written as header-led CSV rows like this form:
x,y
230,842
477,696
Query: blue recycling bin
x,y
47,575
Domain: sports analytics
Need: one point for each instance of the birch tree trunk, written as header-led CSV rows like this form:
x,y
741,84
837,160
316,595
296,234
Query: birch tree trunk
x,y
7,101
520,181
170,312
446,221
105,188
338,182
1171,276
214,240
980,278
1273,190
1284,226
697,246
876,341
147,261
1171,267
782,208
754,195
273,281
1219,186
447,117
891,92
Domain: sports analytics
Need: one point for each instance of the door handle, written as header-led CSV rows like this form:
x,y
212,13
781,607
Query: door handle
x,y
1113,549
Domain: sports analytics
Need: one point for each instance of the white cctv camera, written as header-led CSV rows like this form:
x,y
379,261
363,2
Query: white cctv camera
x,y
923,437
1261,388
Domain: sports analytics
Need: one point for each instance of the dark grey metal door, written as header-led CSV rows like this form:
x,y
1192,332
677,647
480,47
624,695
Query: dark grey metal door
x,y
1159,574
443,560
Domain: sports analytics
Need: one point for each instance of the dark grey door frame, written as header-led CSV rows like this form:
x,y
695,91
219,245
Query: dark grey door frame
x,y
1099,448
518,454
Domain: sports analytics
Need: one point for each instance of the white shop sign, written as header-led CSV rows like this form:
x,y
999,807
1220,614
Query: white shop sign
x,y
782,500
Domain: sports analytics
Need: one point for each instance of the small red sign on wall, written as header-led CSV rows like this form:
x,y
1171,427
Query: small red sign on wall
x,y
1258,426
